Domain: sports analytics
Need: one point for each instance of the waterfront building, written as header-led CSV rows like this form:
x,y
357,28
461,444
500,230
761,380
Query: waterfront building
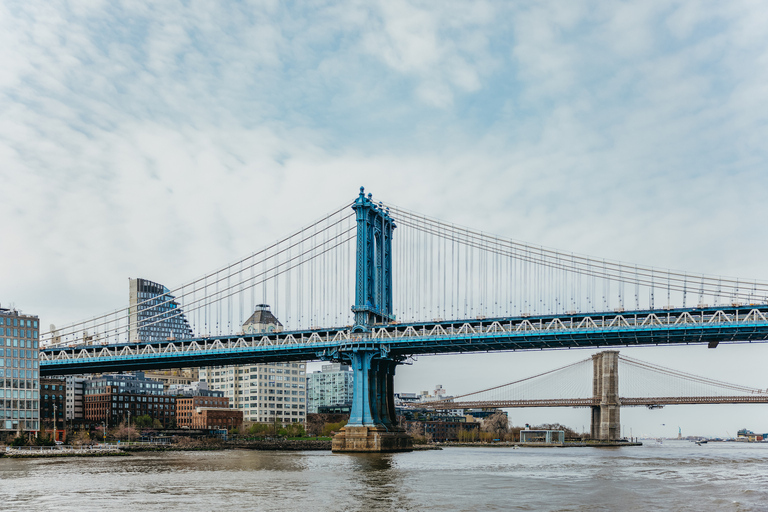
x,y
206,412
112,404
330,389
748,435
75,387
216,418
19,377
264,392
154,314
53,405
542,436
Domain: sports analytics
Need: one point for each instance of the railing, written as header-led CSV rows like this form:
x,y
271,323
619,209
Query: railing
x,y
63,449
652,320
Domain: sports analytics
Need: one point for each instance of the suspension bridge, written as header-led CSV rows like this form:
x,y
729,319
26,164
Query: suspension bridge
x,y
594,382
439,289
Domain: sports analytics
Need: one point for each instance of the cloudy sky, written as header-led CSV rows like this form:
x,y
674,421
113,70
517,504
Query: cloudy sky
x,y
163,140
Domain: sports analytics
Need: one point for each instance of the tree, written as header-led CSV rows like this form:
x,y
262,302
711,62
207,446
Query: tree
x,y
125,432
316,422
331,428
144,421
44,439
417,431
100,434
468,435
569,432
81,438
20,439
295,430
259,429
497,424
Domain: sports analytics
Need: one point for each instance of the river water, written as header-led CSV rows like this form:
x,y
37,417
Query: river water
x,y
677,475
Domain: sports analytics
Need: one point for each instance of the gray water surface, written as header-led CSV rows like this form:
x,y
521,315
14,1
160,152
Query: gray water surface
x,y
677,476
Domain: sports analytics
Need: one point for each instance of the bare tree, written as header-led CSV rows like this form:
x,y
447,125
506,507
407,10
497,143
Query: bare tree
x,y
497,424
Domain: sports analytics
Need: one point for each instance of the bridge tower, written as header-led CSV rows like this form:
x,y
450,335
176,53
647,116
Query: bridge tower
x,y
373,266
372,425
606,424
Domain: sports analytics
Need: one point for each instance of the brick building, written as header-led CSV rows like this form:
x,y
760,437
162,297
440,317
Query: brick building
x,y
216,418
186,408
113,406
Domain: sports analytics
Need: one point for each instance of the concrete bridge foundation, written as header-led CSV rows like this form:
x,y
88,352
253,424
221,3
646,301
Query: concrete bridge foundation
x,y
372,425
606,420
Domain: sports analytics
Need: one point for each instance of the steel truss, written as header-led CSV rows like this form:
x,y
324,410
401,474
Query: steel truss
x,y
590,402
653,327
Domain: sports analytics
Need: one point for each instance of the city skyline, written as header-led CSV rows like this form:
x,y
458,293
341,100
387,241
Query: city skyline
x,y
169,147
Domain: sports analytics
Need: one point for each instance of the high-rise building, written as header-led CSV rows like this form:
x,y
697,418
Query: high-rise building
x,y
75,387
19,377
52,406
113,405
154,314
330,387
119,397
265,392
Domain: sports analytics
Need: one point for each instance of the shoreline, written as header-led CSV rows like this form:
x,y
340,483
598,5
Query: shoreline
x,y
507,444
287,445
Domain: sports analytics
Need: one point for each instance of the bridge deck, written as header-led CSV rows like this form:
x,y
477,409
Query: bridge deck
x,y
589,402
655,327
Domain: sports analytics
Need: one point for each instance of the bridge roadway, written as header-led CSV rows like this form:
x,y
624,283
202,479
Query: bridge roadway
x,y
593,402
711,325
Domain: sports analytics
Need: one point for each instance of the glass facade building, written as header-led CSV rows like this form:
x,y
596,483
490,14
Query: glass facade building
x,y
330,387
154,314
19,372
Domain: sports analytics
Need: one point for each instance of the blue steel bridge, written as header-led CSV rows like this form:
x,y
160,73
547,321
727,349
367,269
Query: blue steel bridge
x,y
372,284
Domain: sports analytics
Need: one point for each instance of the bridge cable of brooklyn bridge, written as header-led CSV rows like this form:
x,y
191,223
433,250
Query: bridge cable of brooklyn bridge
x,y
416,285
594,382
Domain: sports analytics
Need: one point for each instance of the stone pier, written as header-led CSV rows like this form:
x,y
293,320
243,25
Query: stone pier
x,y
606,422
372,425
